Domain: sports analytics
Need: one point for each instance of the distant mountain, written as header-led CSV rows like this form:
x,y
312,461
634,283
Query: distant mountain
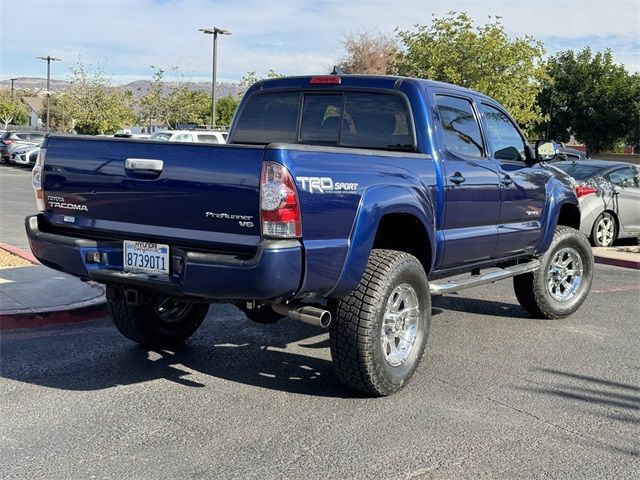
x,y
138,87
35,83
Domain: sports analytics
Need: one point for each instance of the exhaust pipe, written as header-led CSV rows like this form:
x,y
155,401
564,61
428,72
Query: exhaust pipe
x,y
307,314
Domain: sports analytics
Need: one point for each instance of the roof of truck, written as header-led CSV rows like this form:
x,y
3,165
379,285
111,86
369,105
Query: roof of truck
x,y
372,81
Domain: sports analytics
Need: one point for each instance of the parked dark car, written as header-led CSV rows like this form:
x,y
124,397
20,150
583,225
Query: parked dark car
x,y
572,154
9,138
609,196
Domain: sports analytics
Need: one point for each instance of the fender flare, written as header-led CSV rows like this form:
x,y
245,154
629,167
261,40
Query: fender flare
x,y
377,202
559,194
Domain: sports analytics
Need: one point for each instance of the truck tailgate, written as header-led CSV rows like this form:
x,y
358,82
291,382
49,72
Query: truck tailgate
x,y
197,194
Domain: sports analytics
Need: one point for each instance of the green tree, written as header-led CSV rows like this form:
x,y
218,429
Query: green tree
x,y
61,112
152,105
452,49
182,105
225,110
252,77
97,107
591,98
12,110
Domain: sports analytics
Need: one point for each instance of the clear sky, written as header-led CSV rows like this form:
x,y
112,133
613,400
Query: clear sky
x,y
290,36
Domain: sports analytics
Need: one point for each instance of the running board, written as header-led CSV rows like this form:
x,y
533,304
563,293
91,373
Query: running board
x,y
451,286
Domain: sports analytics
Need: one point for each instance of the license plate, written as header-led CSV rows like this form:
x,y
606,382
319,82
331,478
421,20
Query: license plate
x,y
146,257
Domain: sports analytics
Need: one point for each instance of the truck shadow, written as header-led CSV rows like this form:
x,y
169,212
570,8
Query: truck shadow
x,y
494,308
287,356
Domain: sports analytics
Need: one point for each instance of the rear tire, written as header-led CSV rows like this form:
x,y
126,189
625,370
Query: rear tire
x,y
604,231
380,329
155,326
561,284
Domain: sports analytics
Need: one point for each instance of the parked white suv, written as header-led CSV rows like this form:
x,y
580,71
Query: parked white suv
x,y
190,136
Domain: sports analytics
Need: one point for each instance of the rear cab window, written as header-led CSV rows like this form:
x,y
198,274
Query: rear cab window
x,y
369,120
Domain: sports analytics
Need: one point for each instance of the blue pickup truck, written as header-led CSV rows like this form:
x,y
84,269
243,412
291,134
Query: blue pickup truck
x,y
343,201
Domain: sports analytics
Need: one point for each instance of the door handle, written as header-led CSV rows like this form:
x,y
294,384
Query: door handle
x,y
457,178
507,180
145,165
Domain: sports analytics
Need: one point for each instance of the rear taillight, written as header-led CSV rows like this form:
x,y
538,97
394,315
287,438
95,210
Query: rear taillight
x,y
8,142
279,207
582,190
36,179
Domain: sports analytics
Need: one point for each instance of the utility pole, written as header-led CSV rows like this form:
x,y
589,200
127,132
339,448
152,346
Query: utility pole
x,y
49,59
215,31
12,80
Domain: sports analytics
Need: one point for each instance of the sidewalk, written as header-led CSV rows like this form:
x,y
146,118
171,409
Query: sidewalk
x,y
32,295
626,257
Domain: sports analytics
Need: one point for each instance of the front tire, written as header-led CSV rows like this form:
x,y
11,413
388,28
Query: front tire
x,y
380,329
604,231
158,326
561,284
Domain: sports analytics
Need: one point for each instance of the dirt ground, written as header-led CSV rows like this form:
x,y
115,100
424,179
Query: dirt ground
x,y
9,260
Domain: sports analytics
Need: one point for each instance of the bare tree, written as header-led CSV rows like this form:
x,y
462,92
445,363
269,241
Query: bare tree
x,y
369,53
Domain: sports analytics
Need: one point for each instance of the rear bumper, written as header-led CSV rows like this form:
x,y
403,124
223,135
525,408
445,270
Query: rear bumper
x,y
273,272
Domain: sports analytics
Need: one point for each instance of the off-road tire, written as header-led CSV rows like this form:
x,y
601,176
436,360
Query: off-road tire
x,y
355,332
531,288
594,230
143,324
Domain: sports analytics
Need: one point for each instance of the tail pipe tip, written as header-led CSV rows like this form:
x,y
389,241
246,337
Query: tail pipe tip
x,y
307,314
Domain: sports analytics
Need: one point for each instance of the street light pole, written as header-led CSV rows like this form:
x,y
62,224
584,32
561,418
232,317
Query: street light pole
x,y
49,59
215,31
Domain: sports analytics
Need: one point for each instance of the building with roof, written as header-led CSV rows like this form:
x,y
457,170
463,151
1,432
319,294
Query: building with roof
x,y
34,107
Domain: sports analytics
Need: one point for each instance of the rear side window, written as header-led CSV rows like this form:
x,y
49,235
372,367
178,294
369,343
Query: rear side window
x,y
579,171
347,119
624,177
207,138
461,131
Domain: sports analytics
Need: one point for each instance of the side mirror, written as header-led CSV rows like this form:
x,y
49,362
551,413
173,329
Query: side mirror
x,y
546,150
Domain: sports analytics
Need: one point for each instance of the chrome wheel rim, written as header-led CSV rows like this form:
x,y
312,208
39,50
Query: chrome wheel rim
x,y
171,311
565,274
604,232
400,325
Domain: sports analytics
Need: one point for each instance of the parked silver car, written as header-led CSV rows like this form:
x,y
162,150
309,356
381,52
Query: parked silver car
x,y
609,196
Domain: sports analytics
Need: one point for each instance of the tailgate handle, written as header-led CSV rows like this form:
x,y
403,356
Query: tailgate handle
x,y
144,165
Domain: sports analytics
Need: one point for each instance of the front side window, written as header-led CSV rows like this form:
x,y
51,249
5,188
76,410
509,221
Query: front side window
x,y
507,142
461,132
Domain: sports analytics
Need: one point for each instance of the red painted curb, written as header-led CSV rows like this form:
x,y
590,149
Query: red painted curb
x,y
19,252
617,262
28,320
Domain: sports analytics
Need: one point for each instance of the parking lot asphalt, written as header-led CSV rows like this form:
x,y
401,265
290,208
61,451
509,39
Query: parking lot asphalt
x,y
499,395
16,202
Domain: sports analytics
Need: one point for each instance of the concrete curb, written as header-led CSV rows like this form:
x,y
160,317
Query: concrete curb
x,y
71,313
617,262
